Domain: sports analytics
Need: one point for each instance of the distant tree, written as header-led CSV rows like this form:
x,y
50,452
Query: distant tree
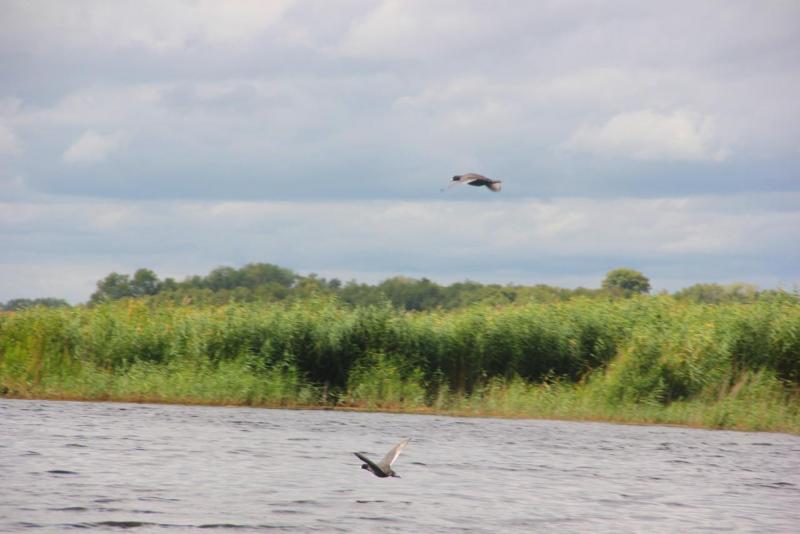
x,y
51,302
194,282
117,286
271,292
307,286
742,292
626,281
411,294
112,287
468,292
717,293
582,292
356,294
257,274
145,282
265,282
222,278
705,293
21,304
335,284
545,293
169,284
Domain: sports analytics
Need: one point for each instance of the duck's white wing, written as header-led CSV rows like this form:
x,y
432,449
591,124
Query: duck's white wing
x,y
392,455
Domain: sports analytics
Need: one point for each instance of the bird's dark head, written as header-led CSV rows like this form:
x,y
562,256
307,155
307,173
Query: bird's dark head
x,y
364,466
456,178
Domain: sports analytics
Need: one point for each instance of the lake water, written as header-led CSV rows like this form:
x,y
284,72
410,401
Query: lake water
x,y
139,467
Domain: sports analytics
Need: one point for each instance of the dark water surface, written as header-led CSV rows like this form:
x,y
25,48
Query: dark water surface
x,y
151,468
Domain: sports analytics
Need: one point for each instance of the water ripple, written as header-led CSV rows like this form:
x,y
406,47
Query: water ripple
x,y
188,468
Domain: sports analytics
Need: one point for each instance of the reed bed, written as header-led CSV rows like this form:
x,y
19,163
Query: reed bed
x,y
645,359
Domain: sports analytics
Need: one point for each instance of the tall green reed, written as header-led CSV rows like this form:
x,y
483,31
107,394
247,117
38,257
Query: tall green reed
x,y
592,355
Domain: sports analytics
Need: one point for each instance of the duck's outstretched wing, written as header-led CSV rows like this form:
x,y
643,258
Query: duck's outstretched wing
x,y
452,184
392,455
375,467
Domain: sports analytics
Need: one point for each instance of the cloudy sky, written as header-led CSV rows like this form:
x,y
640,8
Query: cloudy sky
x,y
316,135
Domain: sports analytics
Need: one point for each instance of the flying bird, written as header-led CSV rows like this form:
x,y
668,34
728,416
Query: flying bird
x,y
383,468
477,180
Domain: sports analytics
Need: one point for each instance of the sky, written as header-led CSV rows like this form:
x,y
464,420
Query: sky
x,y
181,136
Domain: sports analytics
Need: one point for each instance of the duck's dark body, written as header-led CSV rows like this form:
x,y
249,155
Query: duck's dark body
x,y
383,469
374,468
477,180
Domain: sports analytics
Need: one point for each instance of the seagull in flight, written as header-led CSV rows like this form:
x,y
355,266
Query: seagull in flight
x,y
383,468
477,180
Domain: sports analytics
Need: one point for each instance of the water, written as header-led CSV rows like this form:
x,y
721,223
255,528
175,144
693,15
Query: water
x,y
106,466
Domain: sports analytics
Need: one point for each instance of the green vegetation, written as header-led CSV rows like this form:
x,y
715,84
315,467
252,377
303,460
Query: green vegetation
x,y
268,283
638,359
265,283
626,282
21,304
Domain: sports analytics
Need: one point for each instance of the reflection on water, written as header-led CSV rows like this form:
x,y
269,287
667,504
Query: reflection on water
x,y
68,465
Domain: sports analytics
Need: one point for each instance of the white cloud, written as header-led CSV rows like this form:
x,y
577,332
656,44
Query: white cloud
x,y
650,135
99,105
380,32
408,28
9,142
150,24
93,147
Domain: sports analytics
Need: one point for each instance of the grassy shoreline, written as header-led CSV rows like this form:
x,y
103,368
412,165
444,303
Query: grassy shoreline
x,y
637,419
650,360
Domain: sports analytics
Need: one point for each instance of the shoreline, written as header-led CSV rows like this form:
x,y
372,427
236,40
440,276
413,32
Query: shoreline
x,y
638,361
631,421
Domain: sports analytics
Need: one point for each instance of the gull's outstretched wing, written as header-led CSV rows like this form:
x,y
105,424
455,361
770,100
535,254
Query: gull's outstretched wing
x,y
375,467
392,455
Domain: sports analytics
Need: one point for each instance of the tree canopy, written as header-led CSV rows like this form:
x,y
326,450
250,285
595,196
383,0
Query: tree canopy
x,y
21,304
266,282
626,282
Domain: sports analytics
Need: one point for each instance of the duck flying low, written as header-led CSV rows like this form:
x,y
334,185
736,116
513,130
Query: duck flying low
x,y
476,180
383,468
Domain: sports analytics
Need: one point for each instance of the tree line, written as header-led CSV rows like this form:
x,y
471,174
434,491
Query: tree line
x,y
21,304
266,282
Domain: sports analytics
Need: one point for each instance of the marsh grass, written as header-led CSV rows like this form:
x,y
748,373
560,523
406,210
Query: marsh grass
x,y
650,359
378,382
